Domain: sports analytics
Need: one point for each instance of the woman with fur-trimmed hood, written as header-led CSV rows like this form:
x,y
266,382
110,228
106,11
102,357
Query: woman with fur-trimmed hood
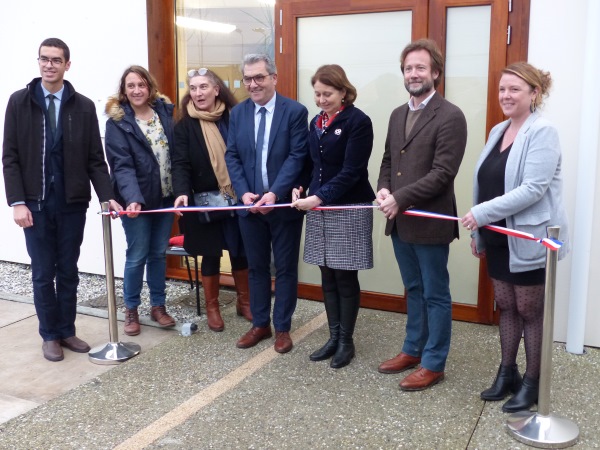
x,y
139,133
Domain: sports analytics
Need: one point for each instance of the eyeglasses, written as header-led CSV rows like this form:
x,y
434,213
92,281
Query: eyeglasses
x,y
258,79
43,60
192,73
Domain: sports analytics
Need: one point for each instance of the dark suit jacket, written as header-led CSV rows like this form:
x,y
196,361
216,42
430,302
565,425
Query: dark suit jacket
x,y
419,170
340,159
287,151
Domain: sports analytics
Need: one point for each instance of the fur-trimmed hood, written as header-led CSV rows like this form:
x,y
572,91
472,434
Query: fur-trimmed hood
x,y
115,111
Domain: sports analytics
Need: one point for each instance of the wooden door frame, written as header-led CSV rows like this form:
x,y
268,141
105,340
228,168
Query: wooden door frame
x,y
162,64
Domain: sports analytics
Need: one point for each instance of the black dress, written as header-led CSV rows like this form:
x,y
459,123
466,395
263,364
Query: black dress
x,y
192,172
491,185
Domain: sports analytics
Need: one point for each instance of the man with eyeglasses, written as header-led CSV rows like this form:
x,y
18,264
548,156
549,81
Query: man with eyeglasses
x,y
267,150
52,150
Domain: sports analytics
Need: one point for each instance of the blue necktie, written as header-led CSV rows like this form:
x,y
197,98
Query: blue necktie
x,y
52,113
260,140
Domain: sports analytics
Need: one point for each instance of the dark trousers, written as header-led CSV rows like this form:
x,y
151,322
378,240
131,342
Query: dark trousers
x,y
53,244
261,233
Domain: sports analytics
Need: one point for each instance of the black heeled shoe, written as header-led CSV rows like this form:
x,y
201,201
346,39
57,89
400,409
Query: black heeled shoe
x,y
330,347
344,354
507,380
525,398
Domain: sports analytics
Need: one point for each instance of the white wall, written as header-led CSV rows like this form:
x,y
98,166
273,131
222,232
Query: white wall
x,y
104,38
556,43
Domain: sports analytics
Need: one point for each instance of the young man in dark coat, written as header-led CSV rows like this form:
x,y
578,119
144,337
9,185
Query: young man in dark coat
x,y
52,150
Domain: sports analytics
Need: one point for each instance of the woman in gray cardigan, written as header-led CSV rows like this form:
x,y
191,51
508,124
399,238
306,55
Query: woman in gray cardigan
x,y
518,185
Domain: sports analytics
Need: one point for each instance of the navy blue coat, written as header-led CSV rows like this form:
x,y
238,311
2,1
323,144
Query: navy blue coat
x,y
340,159
288,151
134,170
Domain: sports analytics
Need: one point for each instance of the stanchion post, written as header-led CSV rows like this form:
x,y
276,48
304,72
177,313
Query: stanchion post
x,y
114,352
543,429
109,270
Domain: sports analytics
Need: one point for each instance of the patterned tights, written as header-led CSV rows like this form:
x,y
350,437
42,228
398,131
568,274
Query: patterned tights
x,y
521,313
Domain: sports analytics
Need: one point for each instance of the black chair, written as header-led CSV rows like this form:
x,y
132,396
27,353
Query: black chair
x,y
194,282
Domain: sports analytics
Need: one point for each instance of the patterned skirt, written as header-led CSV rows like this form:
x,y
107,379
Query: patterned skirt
x,y
340,239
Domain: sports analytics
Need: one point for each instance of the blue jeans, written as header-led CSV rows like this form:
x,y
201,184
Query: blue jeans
x,y
147,241
424,271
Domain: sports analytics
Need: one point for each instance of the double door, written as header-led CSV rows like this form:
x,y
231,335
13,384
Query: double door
x,y
366,39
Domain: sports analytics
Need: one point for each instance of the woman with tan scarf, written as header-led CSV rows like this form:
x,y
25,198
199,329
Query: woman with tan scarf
x,y
198,168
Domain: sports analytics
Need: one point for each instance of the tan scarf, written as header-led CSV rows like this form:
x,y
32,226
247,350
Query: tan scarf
x,y
214,142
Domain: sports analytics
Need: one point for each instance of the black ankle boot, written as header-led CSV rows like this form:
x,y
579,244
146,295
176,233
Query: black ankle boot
x,y
330,347
525,398
343,354
507,380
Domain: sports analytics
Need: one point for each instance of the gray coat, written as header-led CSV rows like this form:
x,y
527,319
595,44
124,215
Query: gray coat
x,y
533,192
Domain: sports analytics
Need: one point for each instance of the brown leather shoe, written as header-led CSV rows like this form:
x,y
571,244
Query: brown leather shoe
x,y
421,379
52,350
75,344
399,363
132,322
254,336
159,314
283,342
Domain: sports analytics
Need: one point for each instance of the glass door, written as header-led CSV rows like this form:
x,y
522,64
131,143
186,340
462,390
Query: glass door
x,y
369,55
368,41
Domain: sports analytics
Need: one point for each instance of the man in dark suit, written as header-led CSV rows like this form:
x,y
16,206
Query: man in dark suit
x,y
424,147
266,151
52,150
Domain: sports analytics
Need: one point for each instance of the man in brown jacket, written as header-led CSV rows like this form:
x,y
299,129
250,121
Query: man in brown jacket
x,y
424,147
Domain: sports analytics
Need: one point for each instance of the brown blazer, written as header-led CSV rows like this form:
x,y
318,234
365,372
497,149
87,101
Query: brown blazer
x,y
419,170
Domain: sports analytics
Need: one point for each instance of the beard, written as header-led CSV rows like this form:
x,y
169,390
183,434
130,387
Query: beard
x,y
426,86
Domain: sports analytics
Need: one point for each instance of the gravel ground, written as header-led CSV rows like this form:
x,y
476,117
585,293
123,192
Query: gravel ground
x,y
181,300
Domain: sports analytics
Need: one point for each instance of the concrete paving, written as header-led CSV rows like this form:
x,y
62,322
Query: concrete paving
x,y
201,392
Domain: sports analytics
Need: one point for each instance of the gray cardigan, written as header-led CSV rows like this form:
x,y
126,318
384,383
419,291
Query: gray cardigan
x,y
533,192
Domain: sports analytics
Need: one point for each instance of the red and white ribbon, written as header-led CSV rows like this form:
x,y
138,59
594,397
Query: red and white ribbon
x,y
552,244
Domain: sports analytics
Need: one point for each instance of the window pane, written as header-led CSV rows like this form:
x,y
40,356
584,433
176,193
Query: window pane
x,y
205,40
370,55
201,43
467,65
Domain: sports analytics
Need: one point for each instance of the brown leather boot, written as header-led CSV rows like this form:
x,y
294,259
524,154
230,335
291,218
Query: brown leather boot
x,y
159,314
211,296
132,322
242,307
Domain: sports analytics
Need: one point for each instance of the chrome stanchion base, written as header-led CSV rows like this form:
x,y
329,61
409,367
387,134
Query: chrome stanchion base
x,y
113,352
540,431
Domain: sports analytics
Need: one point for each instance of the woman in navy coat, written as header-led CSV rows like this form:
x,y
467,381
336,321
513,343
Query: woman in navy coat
x,y
139,133
338,241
